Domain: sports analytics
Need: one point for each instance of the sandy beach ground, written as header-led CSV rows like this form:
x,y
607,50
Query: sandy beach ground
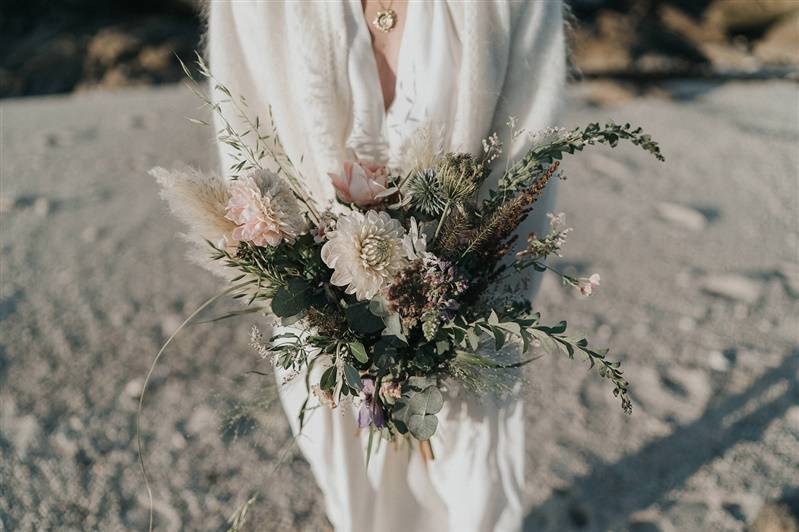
x,y
699,259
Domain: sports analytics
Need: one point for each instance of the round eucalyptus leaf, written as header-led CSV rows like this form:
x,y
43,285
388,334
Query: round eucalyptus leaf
x,y
291,299
428,401
422,427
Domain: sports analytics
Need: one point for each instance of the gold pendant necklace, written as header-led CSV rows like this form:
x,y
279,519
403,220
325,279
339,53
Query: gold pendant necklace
x,y
386,18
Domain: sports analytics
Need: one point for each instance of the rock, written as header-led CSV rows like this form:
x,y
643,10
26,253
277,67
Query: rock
x,y
89,234
133,388
734,16
178,441
606,49
688,515
203,420
64,444
41,206
109,46
733,287
156,58
717,361
776,516
24,433
75,423
726,57
780,45
169,324
682,216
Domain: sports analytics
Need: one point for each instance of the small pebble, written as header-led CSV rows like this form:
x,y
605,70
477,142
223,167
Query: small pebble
x,y
776,516
24,434
89,234
75,423
734,287
178,441
202,420
133,388
717,361
67,446
169,324
41,206
682,216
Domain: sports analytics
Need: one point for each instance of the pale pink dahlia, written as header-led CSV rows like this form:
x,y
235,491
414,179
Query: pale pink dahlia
x,y
264,209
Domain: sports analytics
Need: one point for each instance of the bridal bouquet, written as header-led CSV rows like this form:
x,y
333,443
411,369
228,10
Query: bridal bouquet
x,y
409,283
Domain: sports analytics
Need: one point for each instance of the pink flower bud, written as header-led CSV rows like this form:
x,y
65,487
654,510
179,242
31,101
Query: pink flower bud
x,y
360,182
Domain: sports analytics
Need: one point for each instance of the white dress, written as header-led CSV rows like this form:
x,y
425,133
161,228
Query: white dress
x,y
463,69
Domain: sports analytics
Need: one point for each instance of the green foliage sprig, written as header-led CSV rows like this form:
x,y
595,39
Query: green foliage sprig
x,y
536,161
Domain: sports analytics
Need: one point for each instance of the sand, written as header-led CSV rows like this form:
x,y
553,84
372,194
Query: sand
x,y
699,259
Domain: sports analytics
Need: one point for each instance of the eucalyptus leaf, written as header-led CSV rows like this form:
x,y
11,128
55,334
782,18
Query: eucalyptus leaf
x,y
429,401
352,377
400,414
442,347
393,326
511,327
379,307
361,320
328,379
420,382
422,426
546,341
560,328
359,352
291,299
385,350
473,337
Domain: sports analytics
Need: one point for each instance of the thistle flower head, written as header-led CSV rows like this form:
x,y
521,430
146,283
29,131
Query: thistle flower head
x,y
459,175
426,193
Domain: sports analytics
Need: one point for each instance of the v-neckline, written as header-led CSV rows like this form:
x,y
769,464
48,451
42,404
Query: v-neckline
x,y
375,72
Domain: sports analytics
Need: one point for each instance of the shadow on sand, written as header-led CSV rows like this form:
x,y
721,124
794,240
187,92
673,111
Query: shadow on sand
x,y
642,478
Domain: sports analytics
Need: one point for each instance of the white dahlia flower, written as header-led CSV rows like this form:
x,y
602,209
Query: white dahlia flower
x,y
365,252
264,209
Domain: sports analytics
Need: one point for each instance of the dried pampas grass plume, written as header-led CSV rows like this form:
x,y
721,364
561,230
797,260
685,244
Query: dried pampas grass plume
x,y
422,149
199,201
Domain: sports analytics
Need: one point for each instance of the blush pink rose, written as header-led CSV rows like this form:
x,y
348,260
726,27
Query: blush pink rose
x,y
360,183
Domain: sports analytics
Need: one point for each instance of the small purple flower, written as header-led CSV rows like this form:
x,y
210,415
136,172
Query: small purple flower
x,y
371,411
